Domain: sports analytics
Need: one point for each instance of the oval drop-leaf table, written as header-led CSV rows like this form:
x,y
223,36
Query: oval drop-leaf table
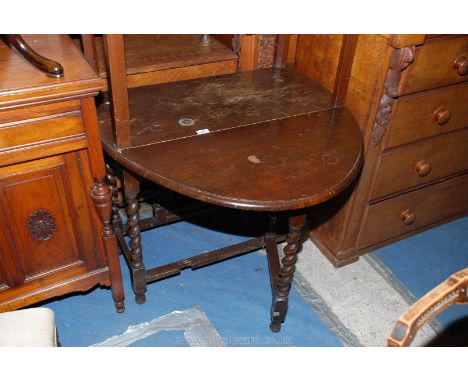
x,y
265,141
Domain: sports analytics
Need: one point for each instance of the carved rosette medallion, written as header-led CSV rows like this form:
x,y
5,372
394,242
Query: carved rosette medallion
x,y
41,225
399,61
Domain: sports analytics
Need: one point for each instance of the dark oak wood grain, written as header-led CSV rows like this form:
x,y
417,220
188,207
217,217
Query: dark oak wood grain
x,y
216,103
304,159
265,140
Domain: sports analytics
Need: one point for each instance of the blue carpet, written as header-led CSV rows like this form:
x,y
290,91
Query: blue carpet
x,y
234,294
423,261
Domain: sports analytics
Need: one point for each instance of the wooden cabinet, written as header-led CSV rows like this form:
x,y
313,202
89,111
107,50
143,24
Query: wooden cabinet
x,y
409,96
55,234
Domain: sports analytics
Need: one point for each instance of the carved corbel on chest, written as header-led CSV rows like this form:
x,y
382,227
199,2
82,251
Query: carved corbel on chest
x,y
401,58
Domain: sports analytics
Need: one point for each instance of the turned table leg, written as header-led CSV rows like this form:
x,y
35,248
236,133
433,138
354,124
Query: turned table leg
x,y
102,199
281,276
101,196
136,259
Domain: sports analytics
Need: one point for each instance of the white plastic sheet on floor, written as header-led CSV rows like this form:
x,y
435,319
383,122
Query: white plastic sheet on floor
x,y
198,330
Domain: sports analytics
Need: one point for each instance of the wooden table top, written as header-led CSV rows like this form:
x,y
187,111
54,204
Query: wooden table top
x,y
216,103
269,140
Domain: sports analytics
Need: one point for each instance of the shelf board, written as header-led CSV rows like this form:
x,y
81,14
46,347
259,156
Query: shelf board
x,y
153,59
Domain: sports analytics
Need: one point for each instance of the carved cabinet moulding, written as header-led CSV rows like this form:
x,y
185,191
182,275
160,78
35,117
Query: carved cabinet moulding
x,y
399,61
236,47
236,43
41,225
266,51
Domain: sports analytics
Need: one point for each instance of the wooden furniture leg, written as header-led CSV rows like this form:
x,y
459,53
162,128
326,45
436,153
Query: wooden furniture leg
x,y
102,199
217,168
101,195
132,188
111,180
281,276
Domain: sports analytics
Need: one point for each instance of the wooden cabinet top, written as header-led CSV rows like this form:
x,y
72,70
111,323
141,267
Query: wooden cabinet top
x,y
21,83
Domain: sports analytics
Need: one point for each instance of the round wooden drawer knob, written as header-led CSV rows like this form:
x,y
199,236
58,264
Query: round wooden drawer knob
x,y
423,168
461,65
442,115
408,217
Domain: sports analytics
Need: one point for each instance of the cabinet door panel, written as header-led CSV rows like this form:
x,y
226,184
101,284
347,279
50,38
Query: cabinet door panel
x,y
41,217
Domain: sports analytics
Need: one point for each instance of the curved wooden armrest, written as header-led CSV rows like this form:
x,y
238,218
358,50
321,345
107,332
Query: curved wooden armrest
x,y
50,67
451,291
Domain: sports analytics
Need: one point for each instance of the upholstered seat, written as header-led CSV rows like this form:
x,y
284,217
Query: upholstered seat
x,y
28,327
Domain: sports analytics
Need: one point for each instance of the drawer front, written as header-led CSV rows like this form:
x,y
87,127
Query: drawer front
x,y
439,62
428,114
405,213
426,161
26,133
39,111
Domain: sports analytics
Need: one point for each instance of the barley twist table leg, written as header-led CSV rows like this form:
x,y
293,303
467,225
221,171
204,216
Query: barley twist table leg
x,y
111,180
136,259
284,276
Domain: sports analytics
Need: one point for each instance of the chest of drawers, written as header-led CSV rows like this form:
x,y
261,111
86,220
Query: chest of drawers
x,y
409,94
55,234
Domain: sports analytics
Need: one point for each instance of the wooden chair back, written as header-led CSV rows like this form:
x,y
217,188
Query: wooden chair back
x,y
452,291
